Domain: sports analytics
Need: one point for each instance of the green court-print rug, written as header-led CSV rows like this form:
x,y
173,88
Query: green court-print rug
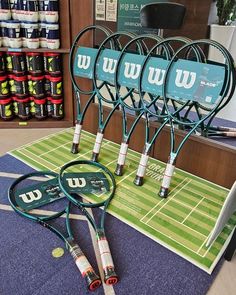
x,y
181,223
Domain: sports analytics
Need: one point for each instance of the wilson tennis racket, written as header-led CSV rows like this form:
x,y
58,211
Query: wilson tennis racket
x,y
213,103
71,185
220,131
151,114
109,67
136,109
80,60
25,194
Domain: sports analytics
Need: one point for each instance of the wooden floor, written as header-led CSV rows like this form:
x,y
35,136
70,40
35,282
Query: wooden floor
x,y
12,138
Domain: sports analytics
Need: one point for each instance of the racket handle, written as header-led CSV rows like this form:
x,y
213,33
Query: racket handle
x,y
141,170
97,147
110,277
164,190
121,159
92,279
76,139
229,134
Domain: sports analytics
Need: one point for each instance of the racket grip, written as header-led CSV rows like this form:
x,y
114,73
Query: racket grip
x,y
110,277
121,159
164,190
141,170
92,279
76,139
97,147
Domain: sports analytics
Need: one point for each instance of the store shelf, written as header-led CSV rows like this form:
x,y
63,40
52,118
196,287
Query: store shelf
x,y
60,50
65,40
33,123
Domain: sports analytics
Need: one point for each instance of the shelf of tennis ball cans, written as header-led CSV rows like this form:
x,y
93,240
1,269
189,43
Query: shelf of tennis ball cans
x,y
29,23
30,86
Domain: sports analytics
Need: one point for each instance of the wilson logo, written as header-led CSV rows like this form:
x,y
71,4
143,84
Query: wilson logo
x,y
83,61
31,196
109,65
132,70
185,79
76,182
156,76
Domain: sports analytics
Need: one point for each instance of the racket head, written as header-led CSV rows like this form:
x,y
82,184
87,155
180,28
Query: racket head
x,y
80,40
26,181
114,41
142,42
156,107
96,183
211,109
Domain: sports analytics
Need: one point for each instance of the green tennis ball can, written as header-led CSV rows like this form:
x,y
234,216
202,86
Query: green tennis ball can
x,y
4,87
6,109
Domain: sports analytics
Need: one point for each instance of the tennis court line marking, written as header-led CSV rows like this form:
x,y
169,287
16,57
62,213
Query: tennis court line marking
x,y
193,209
177,242
70,132
200,212
63,146
39,158
176,221
44,138
170,198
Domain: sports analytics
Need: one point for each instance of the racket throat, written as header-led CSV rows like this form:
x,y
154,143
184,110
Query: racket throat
x,y
110,276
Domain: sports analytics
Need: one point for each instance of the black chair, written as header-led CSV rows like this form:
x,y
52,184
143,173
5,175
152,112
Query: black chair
x,y
162,15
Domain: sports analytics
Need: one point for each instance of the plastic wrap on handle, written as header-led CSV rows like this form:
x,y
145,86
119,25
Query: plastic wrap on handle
x,y
170,167
76,139
110,277
97,146
141,170
121,159
92,279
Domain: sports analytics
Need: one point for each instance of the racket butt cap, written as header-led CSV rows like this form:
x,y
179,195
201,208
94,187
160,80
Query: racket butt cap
x,y
163,193
94,157
138,180
93,281
119,170
75,148
110,277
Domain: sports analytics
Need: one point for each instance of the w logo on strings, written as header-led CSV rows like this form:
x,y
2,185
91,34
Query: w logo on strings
x,y
83,61
156,76
31,196
132,70
109,65
185,79
76,182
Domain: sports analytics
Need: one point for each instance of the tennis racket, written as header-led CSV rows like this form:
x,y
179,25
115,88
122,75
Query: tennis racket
x,y
137,108
221,131
150,113
118,38
101,201
222,98
77,81
91,278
